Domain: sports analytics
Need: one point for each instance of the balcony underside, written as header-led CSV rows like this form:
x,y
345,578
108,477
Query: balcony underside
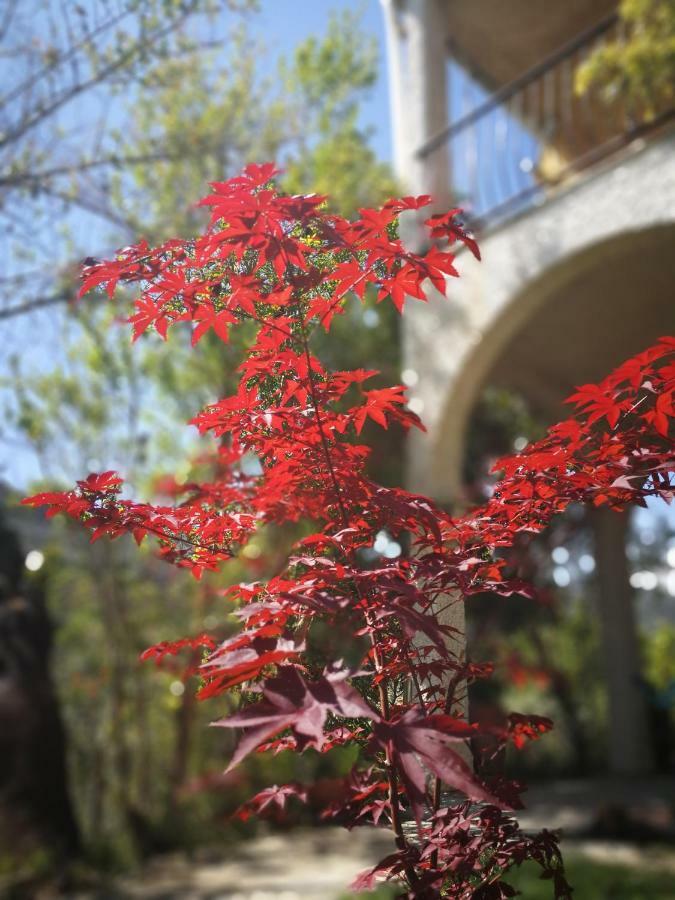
x,y
498,41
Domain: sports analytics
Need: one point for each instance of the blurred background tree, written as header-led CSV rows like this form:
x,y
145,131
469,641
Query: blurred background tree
x,y
69,69
192,104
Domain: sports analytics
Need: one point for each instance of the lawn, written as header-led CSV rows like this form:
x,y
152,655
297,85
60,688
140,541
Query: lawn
x,y
596,881
590,880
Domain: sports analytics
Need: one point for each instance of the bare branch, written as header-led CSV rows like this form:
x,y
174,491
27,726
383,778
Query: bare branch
x,y
10,9
34,179
37,303
40,113
42,73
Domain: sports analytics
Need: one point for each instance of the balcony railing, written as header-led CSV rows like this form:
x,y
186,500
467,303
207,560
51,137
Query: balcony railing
x,y
516,146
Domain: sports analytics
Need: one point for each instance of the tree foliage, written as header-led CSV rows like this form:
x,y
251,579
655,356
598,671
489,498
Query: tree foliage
x,y
197,114
346,646
639,65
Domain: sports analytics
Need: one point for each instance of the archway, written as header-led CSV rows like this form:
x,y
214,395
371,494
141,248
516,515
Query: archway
x,y
573,324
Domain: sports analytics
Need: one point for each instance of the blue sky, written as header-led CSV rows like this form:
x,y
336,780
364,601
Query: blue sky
x,y
281,25
284,23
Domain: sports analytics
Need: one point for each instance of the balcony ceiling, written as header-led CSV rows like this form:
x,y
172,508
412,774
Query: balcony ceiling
x,y
615,303
497,41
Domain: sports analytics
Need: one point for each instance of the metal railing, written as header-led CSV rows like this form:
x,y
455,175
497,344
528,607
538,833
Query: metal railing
x,y
513,148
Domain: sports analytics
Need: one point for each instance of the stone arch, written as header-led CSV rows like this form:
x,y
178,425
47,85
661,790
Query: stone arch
x,y
504,355
451,344
569,322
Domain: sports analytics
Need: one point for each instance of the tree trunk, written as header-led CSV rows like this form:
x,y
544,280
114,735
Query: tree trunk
x,y
629,747
34,796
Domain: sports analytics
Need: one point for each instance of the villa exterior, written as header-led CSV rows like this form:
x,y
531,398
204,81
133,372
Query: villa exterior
x,y
574,205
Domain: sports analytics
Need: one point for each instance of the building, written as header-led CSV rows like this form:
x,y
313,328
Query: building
x,y
574,202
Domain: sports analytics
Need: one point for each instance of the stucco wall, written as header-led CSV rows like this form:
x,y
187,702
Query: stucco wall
x,y
451,344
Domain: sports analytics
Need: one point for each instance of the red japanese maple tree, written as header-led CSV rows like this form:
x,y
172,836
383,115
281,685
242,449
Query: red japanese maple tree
x,y
287,265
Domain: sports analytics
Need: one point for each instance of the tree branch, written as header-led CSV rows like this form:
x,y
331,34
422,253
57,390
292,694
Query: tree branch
x,y
33,179
37,303
41,113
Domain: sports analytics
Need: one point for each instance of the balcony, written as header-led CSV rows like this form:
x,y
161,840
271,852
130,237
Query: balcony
x,y
512,149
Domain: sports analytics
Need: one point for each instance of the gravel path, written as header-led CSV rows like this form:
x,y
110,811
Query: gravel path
x,y
320,864
303,865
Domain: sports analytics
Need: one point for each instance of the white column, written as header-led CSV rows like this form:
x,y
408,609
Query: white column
x,y
427,96
629,749
395,36
418,96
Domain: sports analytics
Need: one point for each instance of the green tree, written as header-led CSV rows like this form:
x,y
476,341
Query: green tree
x,y
214,113
195,117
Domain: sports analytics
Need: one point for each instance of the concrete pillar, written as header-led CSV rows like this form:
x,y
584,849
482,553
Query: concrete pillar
x,y
418,96
427,97
393,25
629,749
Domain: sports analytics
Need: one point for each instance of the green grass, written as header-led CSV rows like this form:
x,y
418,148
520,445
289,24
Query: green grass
x,y
385,892
590,880
596,881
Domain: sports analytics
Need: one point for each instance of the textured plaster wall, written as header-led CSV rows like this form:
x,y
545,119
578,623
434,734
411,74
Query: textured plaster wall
x,y
451,344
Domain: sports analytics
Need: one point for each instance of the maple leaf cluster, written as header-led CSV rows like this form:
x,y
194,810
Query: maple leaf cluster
x,y
284,266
